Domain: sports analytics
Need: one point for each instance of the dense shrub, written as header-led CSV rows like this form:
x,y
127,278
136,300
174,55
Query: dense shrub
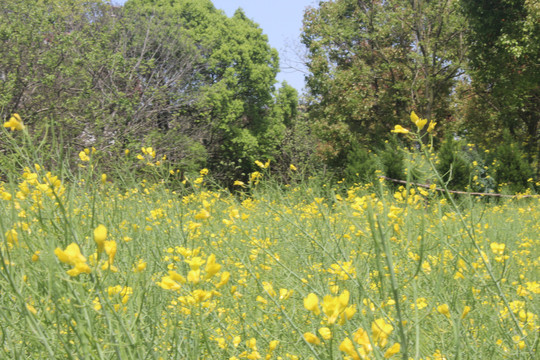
x,y
453,164
512,170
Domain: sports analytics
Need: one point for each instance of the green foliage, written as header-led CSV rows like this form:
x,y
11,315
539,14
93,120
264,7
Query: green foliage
x,y
453,165
370,63
504,49
179,75
392,160
237,70
361,165
512,170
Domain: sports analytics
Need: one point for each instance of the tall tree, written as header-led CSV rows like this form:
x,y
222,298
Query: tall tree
x,y
236,77
372,62
504,42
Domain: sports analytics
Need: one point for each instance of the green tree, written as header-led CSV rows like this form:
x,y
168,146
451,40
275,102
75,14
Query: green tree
x,y
504,42
236,77
98,75
372,62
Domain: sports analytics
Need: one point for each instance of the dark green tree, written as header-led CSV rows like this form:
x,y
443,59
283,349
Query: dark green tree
x,y
372,62
504,41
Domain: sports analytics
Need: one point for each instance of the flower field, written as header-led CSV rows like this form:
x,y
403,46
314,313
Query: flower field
x,y
94,270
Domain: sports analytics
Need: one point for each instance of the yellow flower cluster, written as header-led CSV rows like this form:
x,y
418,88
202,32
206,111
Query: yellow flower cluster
x,y
14,123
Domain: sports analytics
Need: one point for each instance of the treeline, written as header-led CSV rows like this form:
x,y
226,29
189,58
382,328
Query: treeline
x,y
472,66
178,76
200,87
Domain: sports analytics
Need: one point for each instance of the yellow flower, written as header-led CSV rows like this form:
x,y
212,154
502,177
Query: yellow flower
x,y
333,307
100,235
273,345
348,348
312,338
398,129
255,177
431,126
12,237
325,333
361,337
110,250
381,330
35,256
140,266
72,256
169,284
420,123
239,183
225,276
311,303
14,123
202,215
497,249
466,310
292,167
444,309
212,267
84,156
392,350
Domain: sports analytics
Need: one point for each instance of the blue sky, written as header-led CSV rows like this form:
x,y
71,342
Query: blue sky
x,y
281,20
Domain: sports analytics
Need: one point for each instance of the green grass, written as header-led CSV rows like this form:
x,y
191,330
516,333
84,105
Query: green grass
x,y
276,272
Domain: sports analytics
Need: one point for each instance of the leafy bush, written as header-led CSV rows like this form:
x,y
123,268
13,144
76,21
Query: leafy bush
x,y
361,165
453,164
512,170
392,160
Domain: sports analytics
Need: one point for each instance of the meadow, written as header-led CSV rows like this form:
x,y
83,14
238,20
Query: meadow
x,y
94,269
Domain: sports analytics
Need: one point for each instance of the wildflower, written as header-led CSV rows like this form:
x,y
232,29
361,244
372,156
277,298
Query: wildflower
x,y
35,256
392,350
333,307
444,309
84,156
325,333
381,330
497,249
12,237
420,123
312,338
110,250
311,303
225,276
14,123
239,183
72,256
255,177
292,167
212,267
100,235
261,165
361,337
398,129
431,126
31,308
273,345
202,215
466,310
348,348
140,266
168,283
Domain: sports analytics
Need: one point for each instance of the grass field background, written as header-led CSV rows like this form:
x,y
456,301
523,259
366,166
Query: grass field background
x,y
93,269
